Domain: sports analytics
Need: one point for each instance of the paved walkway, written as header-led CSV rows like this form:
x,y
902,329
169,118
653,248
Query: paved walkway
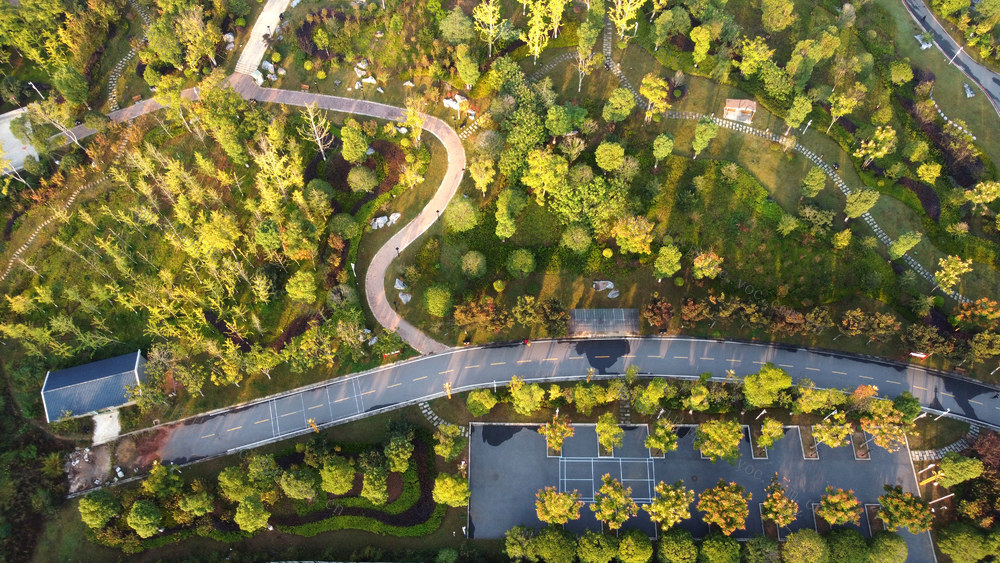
x,y
267,23
116,73
987,80
958,446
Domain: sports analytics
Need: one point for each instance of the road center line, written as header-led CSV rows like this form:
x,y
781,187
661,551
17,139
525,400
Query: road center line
x,y
419,378
576,357
497,363
866,377
263,420
289,413
341,399
838,372
812,369
556,359
919,387
629,356
948,394
234,428
757,362
704,358
682,357
315,407
892,381
367,392
394,385
734,360
524,361
444,372
208,435
469,367
786,365
974,401
652,356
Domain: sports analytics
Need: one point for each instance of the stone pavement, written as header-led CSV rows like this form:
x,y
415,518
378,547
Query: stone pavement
x,y
959,446
437,421
116,73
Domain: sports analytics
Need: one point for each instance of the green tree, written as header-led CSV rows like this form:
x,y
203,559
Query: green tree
x,y
302,286
839,506
336,475
778,507
509,204
488,20
846,544
449,442
553,507
843,103
620,104
904,510
956,468
362,179
456,27
719,439
656,90
671,505
72,85
593,547
887,547
467,65
662,436
299,484
461,215
235,485
474,264
771,430
725,506
562,120
860,202
613,503
702,38
163,481
777,14
251,515
609,156
198,502
903,244
521,262
398,450
767,387
929,172
755,54
355,147
452,490
950,271
483,172
576,238
518,544
842,239
983,194
144,517
526,398
761,549
677,546
801,107
536,35
633,234
437,301
804,546
900,73
553,543
480,402
886,425
663,145
814,182
375,475
98,508
704,132
879,145
833,431
668,261
706,265
609,434
717,548
634,547
964,542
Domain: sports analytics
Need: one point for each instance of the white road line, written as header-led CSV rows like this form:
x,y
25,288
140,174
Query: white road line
x,y
893,382
786,365
812,369
838,372
866,377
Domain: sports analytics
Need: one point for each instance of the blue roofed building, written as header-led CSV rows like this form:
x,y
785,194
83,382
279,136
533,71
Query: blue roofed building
x,y
93,387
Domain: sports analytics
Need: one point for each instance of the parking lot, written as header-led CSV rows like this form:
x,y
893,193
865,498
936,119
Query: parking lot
x,y
509,464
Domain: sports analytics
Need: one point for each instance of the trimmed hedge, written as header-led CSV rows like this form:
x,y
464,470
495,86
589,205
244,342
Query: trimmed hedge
x,y
367,524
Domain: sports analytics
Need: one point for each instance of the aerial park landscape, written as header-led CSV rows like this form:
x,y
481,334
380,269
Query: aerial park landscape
x,y
500,281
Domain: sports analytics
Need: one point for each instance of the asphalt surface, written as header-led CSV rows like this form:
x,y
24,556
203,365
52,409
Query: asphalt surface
x,y
987,80
349,398
509,464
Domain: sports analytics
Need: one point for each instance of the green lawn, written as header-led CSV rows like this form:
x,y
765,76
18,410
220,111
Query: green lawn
x,y
929,434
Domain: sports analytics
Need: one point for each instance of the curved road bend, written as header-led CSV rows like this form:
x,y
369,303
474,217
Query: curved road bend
x,y
987,80
375,276
357,396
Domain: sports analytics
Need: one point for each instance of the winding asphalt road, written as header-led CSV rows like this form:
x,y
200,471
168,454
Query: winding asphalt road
x,y
390,387
987,80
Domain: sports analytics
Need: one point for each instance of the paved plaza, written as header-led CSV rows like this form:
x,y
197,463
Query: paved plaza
x,y
509,464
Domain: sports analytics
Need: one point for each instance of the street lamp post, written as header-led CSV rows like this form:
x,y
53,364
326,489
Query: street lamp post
x,y
762,413
831,414
942,414
35,88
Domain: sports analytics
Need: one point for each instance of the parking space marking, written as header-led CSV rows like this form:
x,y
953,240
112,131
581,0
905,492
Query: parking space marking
x,y
420,378
629,356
